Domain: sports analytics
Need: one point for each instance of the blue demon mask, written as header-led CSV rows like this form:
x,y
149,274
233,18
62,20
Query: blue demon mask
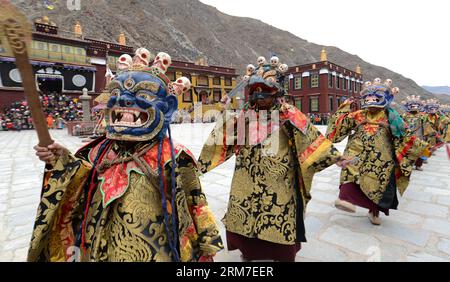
x,y
142,102
413,103
377,95
432,106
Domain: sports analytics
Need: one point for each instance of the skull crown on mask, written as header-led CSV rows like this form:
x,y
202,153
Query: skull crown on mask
x,y
142,99
376,94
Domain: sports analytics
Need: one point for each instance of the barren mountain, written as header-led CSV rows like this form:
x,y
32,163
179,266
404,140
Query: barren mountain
x,y
443,90
188,29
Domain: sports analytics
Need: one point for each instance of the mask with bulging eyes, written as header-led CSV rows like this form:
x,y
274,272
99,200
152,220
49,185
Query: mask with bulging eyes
x,y
432,106
432,110
376,96
414,107
140,107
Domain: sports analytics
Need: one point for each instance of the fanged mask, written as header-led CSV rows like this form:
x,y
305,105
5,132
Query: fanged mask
x,y
139,108
377,95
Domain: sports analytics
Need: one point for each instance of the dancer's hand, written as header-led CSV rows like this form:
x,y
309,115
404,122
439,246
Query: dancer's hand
x,y
50,153
346,161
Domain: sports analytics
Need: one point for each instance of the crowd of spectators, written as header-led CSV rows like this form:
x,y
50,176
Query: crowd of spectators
x,y
58,110
319,119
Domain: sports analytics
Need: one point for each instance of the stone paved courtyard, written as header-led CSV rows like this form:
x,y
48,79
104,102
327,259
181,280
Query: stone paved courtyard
x,y
418,231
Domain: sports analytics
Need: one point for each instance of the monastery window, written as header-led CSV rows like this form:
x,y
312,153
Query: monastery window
x,y
217,95
39,45
187,96
314,80
351,85
80,51
228,81
67,53
202,80
298,104
286,84
216,81
298,82
39,49
54,47
344,85
330,80
331,99
338,82
54,51
67,50
313,104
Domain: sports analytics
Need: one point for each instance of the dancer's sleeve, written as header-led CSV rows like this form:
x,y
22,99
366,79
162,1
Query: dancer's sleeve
x,y
314,151
60,205
407,150
220,145
341,123
202,233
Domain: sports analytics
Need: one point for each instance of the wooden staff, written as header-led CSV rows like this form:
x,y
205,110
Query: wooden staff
x,y
15,28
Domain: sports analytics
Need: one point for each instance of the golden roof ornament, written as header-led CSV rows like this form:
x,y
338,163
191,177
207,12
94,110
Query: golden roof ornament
x,y
77,29
122,39
323,55
358,69
45,20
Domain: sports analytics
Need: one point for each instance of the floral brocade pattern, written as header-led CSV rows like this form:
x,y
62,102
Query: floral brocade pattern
x,y
263,201
380,156
131,228
432,129
415,124
376,162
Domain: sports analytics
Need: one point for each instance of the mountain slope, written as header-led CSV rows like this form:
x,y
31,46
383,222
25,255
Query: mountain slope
x,y
188,29
438,89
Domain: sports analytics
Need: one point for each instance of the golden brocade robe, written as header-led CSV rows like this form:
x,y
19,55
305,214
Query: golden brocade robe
x,y
384,161
272,179
432,129
445,127
414,123
124,221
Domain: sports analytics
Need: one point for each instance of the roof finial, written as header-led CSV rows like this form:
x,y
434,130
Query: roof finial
x,y
323,55
122,39
77,29
358,69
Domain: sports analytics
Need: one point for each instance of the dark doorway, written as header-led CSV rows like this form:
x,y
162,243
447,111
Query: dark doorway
x,y
203,97
50,83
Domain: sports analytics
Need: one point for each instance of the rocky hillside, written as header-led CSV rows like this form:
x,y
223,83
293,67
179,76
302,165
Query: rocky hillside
x,y
188,29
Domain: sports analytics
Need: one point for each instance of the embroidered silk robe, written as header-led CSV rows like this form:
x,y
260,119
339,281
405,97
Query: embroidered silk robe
x,y
432,129
273,175
124,220
384,159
